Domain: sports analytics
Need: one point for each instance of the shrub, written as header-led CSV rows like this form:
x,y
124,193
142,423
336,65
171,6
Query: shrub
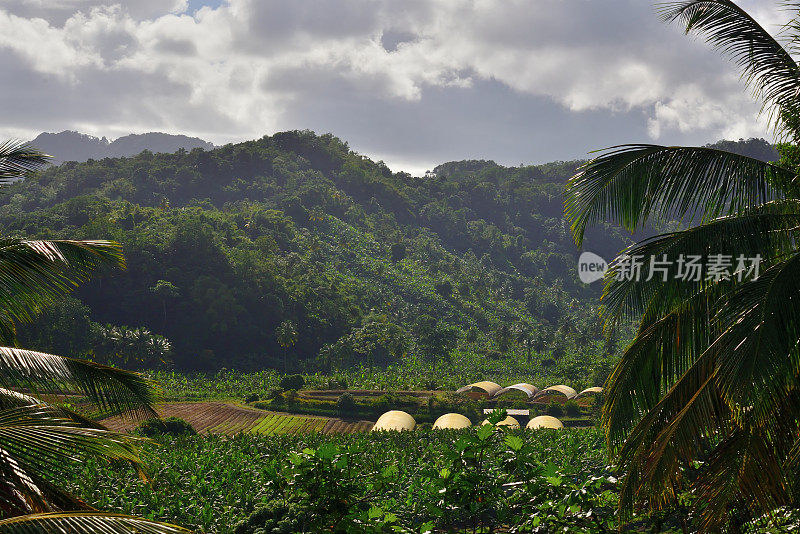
x,y
345,405
290,396
334,383
273,517
278,401
251,397
572,408
171,426
555,409
520,404
293,382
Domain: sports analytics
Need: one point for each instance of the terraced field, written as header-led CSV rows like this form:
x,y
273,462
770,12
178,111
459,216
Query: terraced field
x,y
226,418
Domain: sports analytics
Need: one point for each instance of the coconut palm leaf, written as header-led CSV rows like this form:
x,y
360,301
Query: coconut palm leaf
x,y
658,448
768,232
14,399
631,184
766,66
759,345
712,374
662,352
35,442
744,382
85,523
17,159
111,389
35,273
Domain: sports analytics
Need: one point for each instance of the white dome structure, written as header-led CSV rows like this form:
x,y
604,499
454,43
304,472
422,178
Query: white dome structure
x,y
452,421
396,420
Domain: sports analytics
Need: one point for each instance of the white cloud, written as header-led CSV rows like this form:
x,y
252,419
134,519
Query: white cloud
x,y
247,67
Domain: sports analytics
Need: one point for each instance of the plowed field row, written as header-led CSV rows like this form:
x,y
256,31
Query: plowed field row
x,y
225,418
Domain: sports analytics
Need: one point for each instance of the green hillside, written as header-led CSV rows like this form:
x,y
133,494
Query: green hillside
x,y
361,265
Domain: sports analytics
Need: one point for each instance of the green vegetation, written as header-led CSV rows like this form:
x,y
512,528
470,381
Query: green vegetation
x,y
705,399
211,483
370,482
40,434
294,253
170,426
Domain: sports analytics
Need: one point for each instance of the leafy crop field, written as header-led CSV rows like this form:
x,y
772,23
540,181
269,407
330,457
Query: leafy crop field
x,y
229,419
406,480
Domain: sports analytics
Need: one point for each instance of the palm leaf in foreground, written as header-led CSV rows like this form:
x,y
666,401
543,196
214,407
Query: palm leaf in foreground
x,y
766,66
712,375
35,442
35,273
17,159
85,522
109,388
37,438
633,184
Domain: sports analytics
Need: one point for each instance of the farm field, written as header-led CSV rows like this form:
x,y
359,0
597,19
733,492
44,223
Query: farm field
x,y
229,419
230,384
211,482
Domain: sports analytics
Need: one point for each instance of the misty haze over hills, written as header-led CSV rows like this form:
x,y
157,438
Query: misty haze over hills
x,y
75,146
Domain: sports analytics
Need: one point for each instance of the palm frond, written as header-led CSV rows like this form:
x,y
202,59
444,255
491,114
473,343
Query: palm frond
x,y
759,345
767,232
741,390
10,399
766,66
38,436
111,389
631,184
34,273
35,442
669,437
17,159
744,462
85,523
662,352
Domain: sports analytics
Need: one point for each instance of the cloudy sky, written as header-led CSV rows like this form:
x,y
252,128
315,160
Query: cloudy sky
x,y
412,82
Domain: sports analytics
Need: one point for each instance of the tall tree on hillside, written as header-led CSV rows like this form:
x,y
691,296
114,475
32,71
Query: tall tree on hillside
x,y
38,436
165,291
712,374
286,334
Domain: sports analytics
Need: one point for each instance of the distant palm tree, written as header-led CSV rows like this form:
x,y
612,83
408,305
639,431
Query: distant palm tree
x,y
713,374
286,333
38,436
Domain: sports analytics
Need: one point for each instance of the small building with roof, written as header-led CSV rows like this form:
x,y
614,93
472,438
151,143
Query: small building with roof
x,y
525,389
589,391
485,389
509,422
560,392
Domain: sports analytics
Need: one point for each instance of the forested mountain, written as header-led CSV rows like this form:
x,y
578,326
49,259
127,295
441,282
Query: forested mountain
x,y
754,148
74,146
295,247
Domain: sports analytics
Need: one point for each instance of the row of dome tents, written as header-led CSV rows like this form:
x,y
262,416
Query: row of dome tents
x,y
492,390
399,420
